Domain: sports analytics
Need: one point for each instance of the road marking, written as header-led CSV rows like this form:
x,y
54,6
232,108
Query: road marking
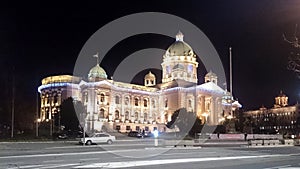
x,y
30,166
171,147
90,152
100,146
69,154
59,165
126,164
278,167
185,153
88,159
52,161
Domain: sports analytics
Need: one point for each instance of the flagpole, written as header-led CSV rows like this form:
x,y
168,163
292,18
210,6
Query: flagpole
x,y
13,104
230,62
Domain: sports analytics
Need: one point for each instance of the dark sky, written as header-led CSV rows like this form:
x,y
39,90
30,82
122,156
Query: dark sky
x,y
42,40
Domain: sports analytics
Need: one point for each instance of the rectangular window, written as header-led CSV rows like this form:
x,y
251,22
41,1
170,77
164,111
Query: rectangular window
x,y
118,127
137,128
127,127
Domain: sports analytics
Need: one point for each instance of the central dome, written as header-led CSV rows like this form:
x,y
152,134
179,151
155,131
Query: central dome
x,y
179,47
97,73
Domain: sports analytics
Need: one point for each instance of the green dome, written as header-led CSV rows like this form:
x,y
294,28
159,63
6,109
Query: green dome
x,y
179,47
96,73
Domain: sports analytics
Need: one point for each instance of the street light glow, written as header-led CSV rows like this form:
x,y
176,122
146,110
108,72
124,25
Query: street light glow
x,y
155,133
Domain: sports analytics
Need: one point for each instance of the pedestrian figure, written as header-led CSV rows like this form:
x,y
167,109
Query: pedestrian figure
x,y
218,135
143,133
245,136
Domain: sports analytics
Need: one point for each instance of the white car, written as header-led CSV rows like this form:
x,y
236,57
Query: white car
x,y
98,138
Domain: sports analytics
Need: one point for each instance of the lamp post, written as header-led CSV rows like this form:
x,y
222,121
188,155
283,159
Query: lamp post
x,y
205,115
37,127
155,133
83,123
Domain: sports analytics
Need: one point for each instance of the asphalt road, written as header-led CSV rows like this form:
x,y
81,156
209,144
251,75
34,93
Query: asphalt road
x,y
143,154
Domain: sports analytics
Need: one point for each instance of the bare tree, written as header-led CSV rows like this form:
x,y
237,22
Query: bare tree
x,y
294,56
294,41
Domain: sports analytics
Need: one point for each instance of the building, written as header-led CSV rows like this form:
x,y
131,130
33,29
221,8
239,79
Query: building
x,y
126,107
281,118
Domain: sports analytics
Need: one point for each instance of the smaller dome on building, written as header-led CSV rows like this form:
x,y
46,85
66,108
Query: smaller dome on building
x,y
211,77
281,100
150,75
281,94
97,73
150,79
210,74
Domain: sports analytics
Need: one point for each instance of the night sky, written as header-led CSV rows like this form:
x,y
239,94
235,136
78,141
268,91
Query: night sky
x,y
37,41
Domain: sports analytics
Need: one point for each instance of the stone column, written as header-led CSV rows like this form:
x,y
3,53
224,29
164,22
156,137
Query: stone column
x,y
122,113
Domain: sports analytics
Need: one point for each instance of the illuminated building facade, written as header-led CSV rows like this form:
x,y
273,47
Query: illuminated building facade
x,y
126,107
53,91
282,118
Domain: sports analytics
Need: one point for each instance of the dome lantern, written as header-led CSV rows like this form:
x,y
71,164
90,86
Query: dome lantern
x,y
97,73
179,36
150,79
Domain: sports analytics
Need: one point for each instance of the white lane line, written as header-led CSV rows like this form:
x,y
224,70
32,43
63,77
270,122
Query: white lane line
x,y
99,146
171,147
277,167
89,159
52,161
30,166
69,154
126,164
170,154
59,165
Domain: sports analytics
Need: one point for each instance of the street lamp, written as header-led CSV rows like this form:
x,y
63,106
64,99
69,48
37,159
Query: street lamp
x,y
83,120
155,133
37,127
205,115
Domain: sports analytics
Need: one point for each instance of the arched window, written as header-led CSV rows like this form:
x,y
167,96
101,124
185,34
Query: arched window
x,y
168,69
101,114
145,103
136,116
55,98
166,103
117,100
190,103
47,99
136,101
126,115
102,97
126,100
190,68
117,114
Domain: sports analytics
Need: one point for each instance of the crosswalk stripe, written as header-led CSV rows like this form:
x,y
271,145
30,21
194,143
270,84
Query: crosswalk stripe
x,y
125,164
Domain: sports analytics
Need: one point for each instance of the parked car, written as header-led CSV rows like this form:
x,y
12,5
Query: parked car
x,y
97,138
62,136
139,134
135,134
